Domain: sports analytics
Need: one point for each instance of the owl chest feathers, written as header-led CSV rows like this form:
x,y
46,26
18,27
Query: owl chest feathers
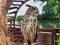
x,y
29,22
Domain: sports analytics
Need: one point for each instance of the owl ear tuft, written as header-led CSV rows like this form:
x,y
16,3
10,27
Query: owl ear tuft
x,y
30,6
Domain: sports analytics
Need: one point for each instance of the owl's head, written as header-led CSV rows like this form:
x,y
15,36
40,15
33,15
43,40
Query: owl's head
x,y
32,10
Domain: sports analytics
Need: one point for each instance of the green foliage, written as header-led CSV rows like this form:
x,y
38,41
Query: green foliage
x,y
51,16
58,40
48,21
21,43
19,18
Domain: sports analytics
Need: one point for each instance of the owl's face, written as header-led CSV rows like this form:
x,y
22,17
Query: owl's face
x,y
32,11
35,11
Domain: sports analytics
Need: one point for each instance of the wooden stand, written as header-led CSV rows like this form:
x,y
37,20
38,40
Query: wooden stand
x,y
46,37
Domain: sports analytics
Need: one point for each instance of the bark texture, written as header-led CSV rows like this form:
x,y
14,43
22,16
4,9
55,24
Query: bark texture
x,y
4,5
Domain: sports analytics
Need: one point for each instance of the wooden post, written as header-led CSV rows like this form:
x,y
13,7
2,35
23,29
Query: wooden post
x,y
46,37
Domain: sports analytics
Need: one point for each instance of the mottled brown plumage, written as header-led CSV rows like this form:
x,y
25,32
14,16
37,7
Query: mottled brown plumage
x,y
29,25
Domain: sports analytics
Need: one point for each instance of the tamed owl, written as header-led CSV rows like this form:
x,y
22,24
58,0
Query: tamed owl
x,y
29,25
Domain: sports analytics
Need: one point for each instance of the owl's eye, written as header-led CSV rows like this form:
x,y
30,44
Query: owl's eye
x,y
36,11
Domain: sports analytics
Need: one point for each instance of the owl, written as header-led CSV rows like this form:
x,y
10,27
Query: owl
x,y
29,25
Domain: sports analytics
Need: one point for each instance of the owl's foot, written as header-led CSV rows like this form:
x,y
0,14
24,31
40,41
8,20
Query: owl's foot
x,y
25,44
33,43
